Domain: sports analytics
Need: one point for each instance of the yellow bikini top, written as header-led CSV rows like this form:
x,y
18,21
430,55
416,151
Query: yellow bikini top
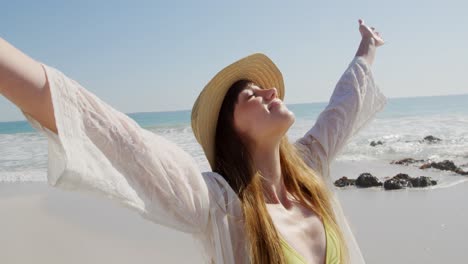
x,y
332,252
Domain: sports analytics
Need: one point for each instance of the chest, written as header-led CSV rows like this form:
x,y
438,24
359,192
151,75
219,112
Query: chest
x,y
302,229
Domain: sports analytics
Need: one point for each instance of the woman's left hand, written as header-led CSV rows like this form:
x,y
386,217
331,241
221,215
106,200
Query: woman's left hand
x,y
370,33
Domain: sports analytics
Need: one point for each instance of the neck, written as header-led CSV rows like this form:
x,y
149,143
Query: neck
x,y
267,161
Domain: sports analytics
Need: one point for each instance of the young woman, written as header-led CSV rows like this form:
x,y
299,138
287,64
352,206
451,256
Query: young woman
x,y
266,200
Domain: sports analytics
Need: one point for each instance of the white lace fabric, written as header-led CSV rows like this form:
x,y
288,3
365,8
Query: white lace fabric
x,y
101,150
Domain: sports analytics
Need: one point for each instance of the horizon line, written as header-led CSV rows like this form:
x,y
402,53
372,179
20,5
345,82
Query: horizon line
x,y
296,103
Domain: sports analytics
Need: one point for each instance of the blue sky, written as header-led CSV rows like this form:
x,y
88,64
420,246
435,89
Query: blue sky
x,y
157,56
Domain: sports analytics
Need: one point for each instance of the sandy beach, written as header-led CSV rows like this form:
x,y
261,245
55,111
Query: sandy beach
x,y
41,224
410,226
372,82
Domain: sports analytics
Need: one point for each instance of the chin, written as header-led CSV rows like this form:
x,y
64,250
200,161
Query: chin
x,y
291,120
290,117
287,121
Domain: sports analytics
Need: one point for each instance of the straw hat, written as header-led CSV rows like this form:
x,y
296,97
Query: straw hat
x,y
258,68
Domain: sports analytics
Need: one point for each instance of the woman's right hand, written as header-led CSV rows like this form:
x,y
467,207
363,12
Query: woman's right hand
x,y
370,33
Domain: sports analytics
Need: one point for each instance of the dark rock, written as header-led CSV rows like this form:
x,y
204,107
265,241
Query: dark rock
x,y
431,139
375,143
367,180
397,183
447,165
402,181
402,176
423,181
344,181
461,172
405,161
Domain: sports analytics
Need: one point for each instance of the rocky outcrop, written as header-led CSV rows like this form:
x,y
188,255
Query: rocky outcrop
x,y
443,165
423,181
402,181
446,165
375,143
399,181
344,181
431,139
366,180
406,161
395,184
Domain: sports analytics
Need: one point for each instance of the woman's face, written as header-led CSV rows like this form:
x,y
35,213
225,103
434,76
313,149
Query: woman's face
x,y
260,116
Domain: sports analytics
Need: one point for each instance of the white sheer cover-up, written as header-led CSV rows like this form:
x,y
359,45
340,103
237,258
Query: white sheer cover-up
x,y
100,149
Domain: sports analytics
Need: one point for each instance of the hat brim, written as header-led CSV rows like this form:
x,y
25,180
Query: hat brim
x,y
257,68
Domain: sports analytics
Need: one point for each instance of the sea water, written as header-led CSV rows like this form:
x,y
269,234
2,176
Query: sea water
x,y
400,126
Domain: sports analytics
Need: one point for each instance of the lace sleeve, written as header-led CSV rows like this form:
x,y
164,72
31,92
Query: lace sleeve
x,y
102,150
354,103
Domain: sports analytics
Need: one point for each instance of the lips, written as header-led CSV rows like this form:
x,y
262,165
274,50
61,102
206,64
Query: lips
x,y
274,103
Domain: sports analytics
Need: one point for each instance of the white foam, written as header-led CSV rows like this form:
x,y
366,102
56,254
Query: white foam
x,y
39,175
23,157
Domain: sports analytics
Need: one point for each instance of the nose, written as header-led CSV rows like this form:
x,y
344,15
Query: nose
x,y
272,93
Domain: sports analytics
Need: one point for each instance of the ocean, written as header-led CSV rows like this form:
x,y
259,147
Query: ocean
x,y
400,126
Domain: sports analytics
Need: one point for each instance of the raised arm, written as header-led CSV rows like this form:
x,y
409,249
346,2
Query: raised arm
x,y
354,102
94,147
24,83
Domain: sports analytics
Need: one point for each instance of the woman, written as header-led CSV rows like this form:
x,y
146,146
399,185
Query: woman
x,y
266,201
